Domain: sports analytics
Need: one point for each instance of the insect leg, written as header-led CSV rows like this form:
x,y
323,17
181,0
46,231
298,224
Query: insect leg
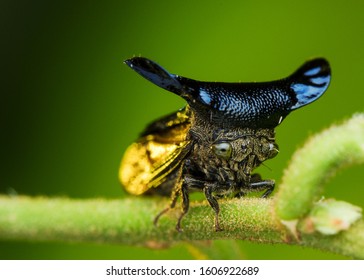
x,y
208,189
267,185
253,179
174,196
185,205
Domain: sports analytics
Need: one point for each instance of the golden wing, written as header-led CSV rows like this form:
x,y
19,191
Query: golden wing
x,y
156,154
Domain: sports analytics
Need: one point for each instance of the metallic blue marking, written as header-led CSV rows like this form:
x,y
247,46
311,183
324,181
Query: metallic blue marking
x,y
306,94
312,71
303,90
205,96
320,80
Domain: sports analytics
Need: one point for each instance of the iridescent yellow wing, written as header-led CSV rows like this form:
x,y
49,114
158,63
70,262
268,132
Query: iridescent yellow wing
x,y
156,154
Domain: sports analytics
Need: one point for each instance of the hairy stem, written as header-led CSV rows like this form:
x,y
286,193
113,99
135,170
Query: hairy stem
x,y
111,221
130,221
318,160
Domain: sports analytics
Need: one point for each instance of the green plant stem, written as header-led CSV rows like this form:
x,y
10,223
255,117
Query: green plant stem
x,y
129,221
312,165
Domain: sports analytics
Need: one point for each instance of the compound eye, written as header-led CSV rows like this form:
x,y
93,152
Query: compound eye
x,y
273,150
222,150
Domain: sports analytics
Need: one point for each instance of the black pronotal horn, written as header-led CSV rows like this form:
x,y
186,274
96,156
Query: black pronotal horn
x,y
256,105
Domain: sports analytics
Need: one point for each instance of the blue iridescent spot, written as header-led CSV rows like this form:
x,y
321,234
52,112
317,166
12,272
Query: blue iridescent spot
x,y
320,80
205,96
304,90
312,71
306,94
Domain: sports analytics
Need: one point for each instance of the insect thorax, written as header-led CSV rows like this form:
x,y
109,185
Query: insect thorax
x,y
229,155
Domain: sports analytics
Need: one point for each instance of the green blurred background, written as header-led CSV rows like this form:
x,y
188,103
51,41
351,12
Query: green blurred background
x,y
70,107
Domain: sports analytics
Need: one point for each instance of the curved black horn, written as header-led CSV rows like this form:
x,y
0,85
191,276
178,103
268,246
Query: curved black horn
x,y
154,73
256,105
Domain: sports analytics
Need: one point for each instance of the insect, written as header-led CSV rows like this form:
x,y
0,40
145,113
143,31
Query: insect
x,y
214,143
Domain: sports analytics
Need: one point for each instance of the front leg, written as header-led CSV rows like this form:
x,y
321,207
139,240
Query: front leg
x,y
256,184
267,185
209,188
213,203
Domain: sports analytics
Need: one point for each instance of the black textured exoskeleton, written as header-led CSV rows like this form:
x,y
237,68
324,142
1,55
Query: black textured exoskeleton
x,y
215,142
